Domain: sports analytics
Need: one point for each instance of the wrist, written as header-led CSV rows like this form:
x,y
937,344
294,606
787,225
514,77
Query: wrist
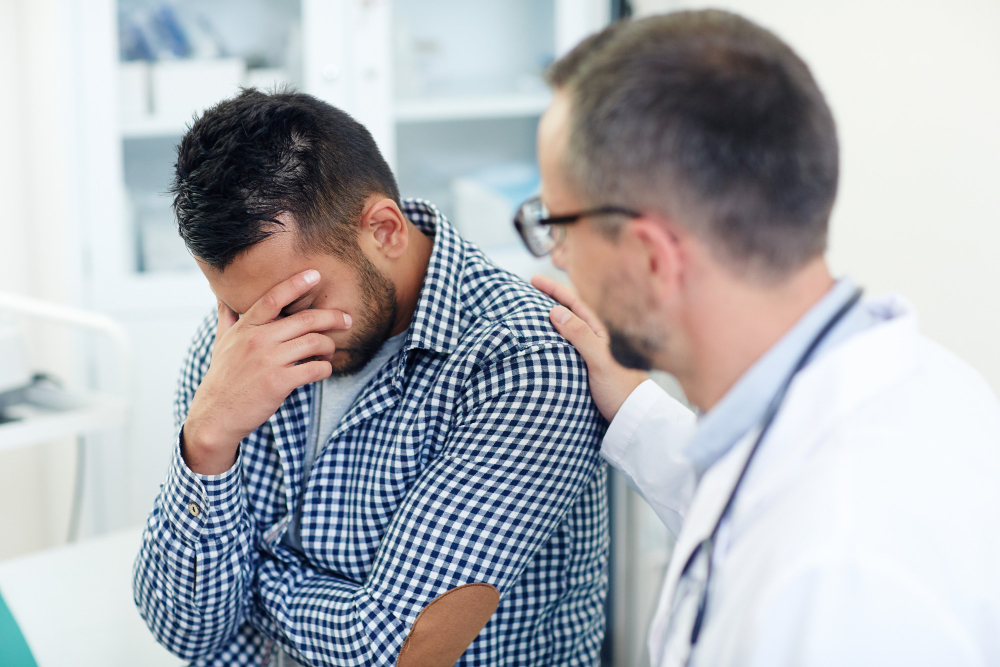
x,y
205,454
625,385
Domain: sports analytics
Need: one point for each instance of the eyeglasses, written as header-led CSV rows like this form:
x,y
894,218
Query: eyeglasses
x,y
541,232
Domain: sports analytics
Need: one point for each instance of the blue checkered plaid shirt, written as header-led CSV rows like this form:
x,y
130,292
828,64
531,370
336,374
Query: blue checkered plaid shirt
x,y
472,456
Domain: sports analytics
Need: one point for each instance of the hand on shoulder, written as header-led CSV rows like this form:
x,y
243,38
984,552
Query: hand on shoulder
x,y
610,382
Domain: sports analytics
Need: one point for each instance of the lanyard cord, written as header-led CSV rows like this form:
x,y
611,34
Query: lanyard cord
x,y
769,416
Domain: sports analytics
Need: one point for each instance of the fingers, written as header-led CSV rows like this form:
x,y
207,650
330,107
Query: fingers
x,y
309,345
268,307
309,320
227,318
579,334
568,297
545,284
310,371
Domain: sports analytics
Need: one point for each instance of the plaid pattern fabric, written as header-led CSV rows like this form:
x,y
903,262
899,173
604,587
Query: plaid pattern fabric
x,y
472,456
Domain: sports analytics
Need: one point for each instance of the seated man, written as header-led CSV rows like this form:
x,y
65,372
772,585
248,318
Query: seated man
x,y
376,416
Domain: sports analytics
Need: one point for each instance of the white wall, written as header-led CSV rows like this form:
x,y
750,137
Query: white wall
x,y
915,88
36,254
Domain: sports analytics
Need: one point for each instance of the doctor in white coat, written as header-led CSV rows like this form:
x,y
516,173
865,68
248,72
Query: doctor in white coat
x,y
837,496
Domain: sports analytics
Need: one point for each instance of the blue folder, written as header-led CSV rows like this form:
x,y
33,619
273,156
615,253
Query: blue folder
x,y
14,651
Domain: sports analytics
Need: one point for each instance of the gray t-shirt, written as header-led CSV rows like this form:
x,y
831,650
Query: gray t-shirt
x,y
332,399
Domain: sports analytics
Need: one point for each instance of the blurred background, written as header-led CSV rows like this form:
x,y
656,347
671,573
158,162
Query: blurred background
x,y
97,93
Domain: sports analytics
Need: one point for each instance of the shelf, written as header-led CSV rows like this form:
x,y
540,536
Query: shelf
x,y
439,109
154,126
48,414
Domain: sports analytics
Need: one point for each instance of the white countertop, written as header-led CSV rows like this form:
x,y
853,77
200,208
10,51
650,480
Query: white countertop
x,y
74,605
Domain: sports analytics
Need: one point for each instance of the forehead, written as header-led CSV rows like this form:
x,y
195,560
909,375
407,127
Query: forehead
x,y
553,139
264,265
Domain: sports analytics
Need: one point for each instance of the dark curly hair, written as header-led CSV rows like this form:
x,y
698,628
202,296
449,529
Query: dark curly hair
x,y
252,157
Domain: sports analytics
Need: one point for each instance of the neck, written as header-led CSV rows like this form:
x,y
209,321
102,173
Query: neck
x,y
409,278
737,322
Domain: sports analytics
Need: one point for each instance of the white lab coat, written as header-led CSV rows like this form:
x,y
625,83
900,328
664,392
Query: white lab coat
x,y
867,531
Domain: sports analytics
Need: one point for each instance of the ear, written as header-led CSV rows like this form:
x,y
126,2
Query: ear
x,y
663,252
388,227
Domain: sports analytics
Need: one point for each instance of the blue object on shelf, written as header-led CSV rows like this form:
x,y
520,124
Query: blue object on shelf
x,y
171,32
135,43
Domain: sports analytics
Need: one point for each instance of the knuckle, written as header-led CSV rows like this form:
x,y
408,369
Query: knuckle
x,y
311,341
255,341
269,301
307,318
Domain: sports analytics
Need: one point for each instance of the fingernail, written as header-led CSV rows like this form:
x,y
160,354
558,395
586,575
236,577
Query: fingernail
x,y
311,276
347,319
561,314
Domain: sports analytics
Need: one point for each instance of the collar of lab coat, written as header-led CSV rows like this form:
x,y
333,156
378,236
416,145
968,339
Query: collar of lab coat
x,y
747,401
819,398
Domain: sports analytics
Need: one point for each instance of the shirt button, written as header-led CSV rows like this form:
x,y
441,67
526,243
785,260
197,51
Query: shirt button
x,y
194,509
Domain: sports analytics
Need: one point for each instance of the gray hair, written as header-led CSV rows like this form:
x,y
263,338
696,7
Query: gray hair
x,y
712,120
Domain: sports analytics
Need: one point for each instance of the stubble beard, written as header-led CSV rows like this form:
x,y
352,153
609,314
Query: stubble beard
x,y
631,346
631,351
378,298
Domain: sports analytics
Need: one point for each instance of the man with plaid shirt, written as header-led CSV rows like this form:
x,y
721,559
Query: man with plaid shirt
x,y
381,438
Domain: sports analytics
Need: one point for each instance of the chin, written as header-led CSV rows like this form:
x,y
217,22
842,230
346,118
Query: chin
x,y
629,351
346,362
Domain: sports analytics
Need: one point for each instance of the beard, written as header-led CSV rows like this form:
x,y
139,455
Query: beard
x,y
378,298
631,351
631,344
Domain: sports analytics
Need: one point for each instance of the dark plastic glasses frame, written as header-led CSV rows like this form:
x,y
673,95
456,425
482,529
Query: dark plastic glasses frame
x,y
524,228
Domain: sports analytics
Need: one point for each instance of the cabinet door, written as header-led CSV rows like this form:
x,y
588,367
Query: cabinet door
x,y
468,91
347,61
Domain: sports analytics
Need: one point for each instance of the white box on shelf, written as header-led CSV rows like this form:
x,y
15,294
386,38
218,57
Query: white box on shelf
x,y
159,245
486,200
183,88
133,91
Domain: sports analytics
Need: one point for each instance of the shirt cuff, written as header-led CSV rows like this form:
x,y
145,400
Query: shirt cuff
x,y
625,426
203,507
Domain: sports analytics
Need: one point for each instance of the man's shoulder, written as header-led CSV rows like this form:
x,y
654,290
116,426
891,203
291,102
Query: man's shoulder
x,y
496,301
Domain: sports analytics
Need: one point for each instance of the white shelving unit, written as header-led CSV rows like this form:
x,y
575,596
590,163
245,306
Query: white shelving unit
x,y
153,127
405,68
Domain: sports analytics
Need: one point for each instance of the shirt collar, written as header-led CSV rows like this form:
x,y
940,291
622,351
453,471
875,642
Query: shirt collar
x,y
436,322
744,405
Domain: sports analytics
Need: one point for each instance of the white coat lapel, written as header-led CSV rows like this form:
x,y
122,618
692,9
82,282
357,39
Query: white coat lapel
x,y
709,501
